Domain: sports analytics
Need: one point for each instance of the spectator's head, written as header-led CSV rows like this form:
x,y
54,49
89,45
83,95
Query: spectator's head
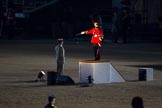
x,y
137,102
51,99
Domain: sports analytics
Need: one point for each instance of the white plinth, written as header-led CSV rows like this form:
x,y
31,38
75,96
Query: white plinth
x,y
101,72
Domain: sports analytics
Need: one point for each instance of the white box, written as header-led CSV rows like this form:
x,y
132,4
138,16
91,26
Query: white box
x,y
146,74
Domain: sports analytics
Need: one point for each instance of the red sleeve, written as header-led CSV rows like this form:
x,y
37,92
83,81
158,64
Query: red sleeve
x,y
90,31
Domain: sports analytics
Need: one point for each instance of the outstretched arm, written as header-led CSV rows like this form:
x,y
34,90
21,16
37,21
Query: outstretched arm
x,y
83,32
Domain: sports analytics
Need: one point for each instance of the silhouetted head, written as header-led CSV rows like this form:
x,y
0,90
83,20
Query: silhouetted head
x,y
51,99
137,102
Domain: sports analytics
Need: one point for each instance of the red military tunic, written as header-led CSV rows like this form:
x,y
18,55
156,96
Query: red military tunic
x,y
97,34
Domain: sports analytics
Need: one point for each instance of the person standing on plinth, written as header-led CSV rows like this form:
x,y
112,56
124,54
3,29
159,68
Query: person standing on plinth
x,y
60,57
97,36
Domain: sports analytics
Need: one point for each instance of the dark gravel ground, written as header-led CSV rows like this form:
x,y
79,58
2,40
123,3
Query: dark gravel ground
x,y
21,60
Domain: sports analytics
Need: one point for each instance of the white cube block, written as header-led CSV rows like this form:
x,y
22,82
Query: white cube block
x,y
146,74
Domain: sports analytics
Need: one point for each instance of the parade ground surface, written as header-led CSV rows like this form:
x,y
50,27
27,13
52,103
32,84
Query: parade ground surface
x,y
20,62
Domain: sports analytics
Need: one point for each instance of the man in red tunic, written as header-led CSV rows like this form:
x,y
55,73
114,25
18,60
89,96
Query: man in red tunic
x,y
97,36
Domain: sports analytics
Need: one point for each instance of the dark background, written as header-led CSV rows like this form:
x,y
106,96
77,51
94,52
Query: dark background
x,y
50,19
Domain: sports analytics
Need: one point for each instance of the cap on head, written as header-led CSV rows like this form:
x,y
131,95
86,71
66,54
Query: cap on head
x,y
60,39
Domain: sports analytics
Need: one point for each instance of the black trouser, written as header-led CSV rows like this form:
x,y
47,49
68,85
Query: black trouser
x,y
124,30
124,35
60,68
97,51
115,36
10,31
